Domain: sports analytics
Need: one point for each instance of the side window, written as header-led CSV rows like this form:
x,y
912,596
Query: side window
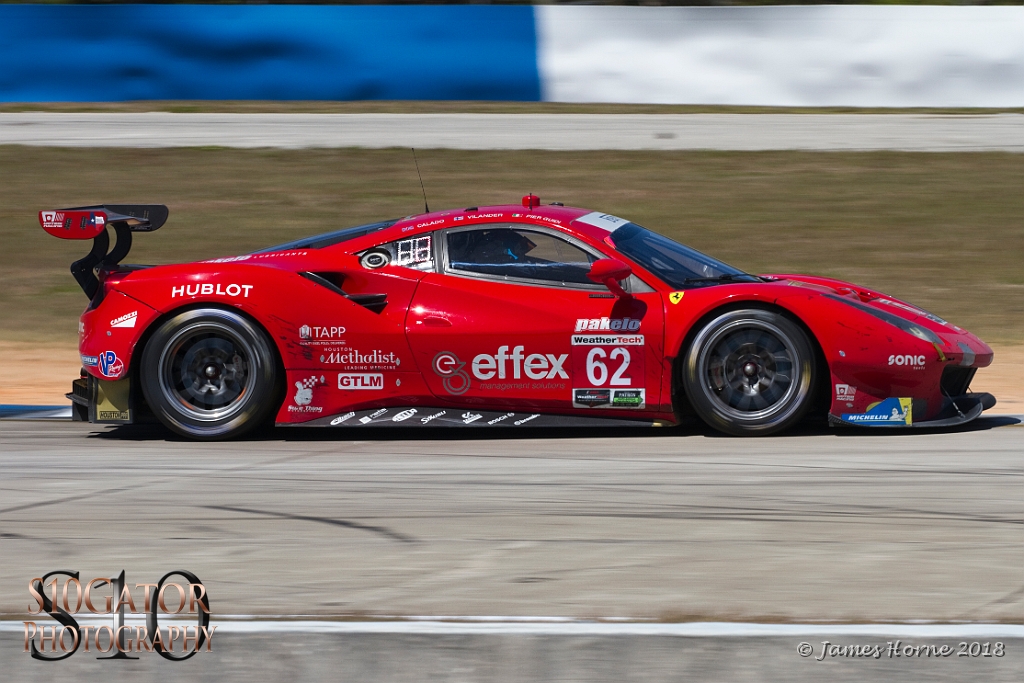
x,y
519,254
415,252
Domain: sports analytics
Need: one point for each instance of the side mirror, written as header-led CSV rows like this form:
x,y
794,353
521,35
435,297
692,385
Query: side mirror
x,y
609,272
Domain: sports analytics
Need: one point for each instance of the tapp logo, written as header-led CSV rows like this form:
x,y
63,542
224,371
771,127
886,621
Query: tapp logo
x,y
620,324
535,365
916,361
307,332
210,288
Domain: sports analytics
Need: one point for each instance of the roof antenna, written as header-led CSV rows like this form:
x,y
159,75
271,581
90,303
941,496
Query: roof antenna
x,y
425,207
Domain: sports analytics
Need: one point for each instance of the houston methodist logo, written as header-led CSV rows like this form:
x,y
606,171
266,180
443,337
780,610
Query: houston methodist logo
x,y
66,636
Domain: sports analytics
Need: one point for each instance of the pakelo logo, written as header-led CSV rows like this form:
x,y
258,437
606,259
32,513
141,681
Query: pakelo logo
x,y
404,415
845,392
449,368
917,362
211,289
126,320
304,396
110,364
534,365
341,419
600,324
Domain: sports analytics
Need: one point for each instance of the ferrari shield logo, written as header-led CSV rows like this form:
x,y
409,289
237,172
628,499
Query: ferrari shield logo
x,y
676,297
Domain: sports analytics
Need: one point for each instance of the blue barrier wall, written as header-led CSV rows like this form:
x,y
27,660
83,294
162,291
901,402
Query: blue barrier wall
x,y
80,53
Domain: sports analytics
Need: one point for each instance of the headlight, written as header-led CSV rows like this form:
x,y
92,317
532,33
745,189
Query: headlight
x,y
910,328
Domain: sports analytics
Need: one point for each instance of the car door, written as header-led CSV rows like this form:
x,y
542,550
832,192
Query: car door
x,y
511,320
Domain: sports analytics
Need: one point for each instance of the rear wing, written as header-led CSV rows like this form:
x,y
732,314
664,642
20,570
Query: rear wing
x,y
90,222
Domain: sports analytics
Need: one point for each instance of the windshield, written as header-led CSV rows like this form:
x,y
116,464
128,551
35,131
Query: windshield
x,y
677,265
329,238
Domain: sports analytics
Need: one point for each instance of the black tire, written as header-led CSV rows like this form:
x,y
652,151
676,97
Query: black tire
x,y
209,374
750,373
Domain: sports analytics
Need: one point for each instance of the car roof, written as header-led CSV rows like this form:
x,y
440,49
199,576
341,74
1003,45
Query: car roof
x,y
551,215
590,225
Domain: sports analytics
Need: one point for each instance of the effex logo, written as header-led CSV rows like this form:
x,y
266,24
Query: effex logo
x,y
449,368
504,364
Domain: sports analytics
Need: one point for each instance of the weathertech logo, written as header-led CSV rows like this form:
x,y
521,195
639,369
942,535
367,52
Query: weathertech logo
x,y
600,324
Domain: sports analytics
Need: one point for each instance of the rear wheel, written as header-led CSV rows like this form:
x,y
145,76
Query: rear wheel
x,y
750,372
209,374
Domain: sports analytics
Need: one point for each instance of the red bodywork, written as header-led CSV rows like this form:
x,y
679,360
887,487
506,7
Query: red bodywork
x,y
445,340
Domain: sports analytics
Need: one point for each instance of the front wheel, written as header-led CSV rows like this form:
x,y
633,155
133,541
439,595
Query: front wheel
x,y
749,373
209,374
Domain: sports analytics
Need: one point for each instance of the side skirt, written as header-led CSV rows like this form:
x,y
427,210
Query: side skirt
x,y
461,417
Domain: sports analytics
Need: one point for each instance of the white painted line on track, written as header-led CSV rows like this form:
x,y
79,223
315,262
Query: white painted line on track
x,y
566,132
602,628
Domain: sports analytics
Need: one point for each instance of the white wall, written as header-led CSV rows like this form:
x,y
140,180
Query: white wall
x,y
863,56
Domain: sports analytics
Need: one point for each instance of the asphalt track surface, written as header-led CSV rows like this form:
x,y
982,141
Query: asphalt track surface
x,y
741,132
671,524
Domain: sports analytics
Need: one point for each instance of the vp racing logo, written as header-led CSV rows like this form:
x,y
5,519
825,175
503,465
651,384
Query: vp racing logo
x,y
449,368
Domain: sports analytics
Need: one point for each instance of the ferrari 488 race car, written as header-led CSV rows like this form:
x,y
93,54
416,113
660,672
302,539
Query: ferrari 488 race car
x,y
499,316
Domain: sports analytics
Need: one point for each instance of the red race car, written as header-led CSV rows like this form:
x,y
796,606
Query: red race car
x,y
498,316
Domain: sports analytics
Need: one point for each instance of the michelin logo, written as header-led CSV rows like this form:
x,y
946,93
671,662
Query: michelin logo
x,y
891,411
